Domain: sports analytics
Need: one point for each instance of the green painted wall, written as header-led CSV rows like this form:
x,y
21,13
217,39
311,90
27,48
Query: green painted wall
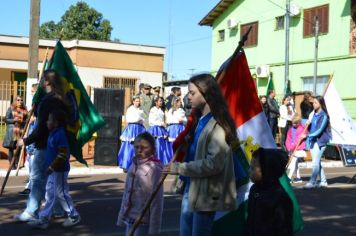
x,y
334,56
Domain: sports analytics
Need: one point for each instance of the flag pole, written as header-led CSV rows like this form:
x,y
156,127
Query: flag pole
x,y
307,124
30,117
18,149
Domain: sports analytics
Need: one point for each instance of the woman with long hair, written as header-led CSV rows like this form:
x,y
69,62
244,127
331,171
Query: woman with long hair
x,y
134,118
158,131
208,166
176,121
318,136
15,120
285,116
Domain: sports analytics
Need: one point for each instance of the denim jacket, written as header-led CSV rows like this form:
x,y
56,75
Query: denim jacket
x,y
319,131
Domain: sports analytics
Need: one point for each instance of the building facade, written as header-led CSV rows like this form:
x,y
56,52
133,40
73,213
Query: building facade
x,y
99,64
265,47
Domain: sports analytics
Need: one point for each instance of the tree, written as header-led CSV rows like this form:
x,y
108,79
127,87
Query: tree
x,y
79,22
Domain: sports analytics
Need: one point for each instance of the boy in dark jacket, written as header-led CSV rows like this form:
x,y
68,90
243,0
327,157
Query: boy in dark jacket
x,y
270,209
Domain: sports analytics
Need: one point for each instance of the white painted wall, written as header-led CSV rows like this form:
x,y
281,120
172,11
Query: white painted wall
x,y
94,76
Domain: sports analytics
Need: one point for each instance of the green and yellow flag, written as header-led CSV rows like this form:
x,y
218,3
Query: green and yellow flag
x,y
270,85
85,119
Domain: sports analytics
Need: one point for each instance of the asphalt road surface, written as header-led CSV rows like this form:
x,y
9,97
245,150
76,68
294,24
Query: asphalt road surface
x,y
330,211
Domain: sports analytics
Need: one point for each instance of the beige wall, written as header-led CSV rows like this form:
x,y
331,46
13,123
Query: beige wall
x,y
95,58
119,60
5,75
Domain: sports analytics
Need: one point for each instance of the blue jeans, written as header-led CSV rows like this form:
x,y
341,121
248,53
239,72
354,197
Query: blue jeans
x,y
195,223
141,230
316,153
38,181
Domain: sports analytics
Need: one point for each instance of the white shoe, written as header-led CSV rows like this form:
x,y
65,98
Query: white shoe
x,y
24,217
323,185
297,180
71,221
309,186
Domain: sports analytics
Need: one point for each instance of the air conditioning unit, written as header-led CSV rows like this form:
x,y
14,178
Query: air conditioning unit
x,y
232,23
262,71
294,9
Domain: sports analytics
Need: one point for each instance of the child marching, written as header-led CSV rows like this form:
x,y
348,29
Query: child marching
x,y
57,164
142,178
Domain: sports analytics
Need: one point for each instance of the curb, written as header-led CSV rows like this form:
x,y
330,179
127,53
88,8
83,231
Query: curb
x,y
73,171
325,164
117,170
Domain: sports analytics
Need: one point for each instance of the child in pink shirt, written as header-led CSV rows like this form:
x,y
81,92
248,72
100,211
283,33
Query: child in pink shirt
x,y
293,137
142,178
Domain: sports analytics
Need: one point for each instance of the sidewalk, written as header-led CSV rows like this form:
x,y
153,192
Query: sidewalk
x,y
76,167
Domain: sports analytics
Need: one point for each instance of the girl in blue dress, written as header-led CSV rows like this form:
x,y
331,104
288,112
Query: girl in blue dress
x,y
134,119
176,121
158,131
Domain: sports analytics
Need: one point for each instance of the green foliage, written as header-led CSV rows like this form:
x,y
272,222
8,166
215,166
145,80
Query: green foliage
x,y
79,22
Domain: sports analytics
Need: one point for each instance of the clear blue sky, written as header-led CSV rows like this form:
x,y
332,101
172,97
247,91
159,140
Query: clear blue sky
x,y
167,23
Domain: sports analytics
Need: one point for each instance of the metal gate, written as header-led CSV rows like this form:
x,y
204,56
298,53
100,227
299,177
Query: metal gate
x,y
8,92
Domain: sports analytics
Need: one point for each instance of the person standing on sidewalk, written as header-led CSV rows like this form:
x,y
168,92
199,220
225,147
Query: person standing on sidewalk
x,y
273,112
319,135
15,120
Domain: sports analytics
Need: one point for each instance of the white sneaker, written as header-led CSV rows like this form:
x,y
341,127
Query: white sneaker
x,y
297,180
71,221
323,185
309,186
24,217
39,224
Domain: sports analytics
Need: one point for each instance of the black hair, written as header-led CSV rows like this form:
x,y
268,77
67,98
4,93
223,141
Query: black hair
x,y
55,81
148,137
321,101
60,117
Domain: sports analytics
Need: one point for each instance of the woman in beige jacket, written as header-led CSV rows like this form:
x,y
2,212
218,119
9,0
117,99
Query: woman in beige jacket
x,y
208,167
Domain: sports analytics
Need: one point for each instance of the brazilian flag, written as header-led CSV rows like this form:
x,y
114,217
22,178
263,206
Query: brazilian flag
x,y
270,85
85,119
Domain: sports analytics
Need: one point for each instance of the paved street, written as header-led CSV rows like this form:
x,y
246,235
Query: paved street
x,y
326,211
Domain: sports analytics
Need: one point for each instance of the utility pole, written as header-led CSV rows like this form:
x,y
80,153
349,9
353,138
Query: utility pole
x,y
286,68
33,49
316,34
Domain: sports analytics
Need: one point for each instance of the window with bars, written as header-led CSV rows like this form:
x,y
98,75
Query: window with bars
x,y
121,83
321,81
221,35
322,12
279,23
252,39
